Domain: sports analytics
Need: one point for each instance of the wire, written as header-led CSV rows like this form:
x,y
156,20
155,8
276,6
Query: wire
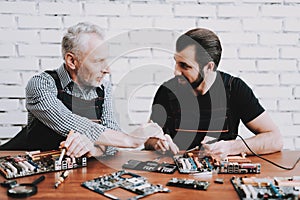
x,y
277,165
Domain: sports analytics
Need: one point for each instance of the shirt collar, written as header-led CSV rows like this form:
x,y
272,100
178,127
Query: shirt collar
x,y
64,76
66,80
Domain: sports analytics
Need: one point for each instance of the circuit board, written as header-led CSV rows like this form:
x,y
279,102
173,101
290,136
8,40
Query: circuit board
x,y
191,163
150,166
124,180
36,162
265,188
188,183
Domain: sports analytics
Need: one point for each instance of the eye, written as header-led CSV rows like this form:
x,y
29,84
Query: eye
x,y
100,61
183,65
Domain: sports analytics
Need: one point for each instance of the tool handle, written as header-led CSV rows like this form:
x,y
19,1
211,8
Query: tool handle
x,y
38,180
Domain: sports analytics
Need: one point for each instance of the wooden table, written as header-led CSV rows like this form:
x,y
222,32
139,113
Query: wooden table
x,y
71,188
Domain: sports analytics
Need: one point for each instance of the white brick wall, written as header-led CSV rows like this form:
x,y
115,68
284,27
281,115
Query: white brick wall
x,y
14,117
290,52
174,23
71,20
57,8
10,36
50,63
282,119
289,105
194,10
238,11
10,78
153,10
264,24
126,23
9,104
274,92
106,9
7,50
238,38
261,44
258,52
39,50
277,65
220,25
8,132
296,118
235,65
290,131
7,91
7,21
297,143
269,105
51,36
292,25
280,11
297,92
22,8
279,38
39,22
290,78
269,79
262,1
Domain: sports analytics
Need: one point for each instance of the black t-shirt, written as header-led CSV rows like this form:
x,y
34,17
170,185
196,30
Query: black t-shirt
x,y
187,118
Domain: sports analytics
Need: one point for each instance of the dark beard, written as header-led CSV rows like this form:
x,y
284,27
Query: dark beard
x,y
198,81
183,80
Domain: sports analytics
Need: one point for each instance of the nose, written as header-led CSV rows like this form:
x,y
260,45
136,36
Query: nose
x,y
177,71
106,69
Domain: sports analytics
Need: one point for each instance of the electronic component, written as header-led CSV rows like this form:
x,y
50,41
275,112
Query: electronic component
x,y
192,163
262,188
125,180
9,183
61,178
288,181
36,162
150,166
219,180
188,183
226,167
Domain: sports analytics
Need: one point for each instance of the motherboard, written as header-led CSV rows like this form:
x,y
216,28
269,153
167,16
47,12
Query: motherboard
x,y
191,163
36,162
267,188
124,180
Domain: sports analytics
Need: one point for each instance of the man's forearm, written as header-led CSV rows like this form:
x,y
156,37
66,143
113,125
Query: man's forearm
x,y
263,143
118,139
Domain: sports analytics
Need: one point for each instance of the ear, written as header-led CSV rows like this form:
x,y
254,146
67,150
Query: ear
x,y
211,66
71,60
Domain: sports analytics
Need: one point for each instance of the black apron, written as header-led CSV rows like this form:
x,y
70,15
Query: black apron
x,y
38,136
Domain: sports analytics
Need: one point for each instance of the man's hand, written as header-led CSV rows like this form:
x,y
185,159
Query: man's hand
x,y
218,150
148,130
156,144
78,145
162,144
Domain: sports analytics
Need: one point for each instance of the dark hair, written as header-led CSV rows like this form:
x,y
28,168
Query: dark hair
x,y
207,43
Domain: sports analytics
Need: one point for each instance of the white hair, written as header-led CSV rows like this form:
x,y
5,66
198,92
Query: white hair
x,y
72,40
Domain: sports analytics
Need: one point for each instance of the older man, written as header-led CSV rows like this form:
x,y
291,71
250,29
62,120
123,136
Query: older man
x,y
72,105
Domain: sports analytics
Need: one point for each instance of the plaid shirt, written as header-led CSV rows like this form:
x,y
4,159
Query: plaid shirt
x,y
42,103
